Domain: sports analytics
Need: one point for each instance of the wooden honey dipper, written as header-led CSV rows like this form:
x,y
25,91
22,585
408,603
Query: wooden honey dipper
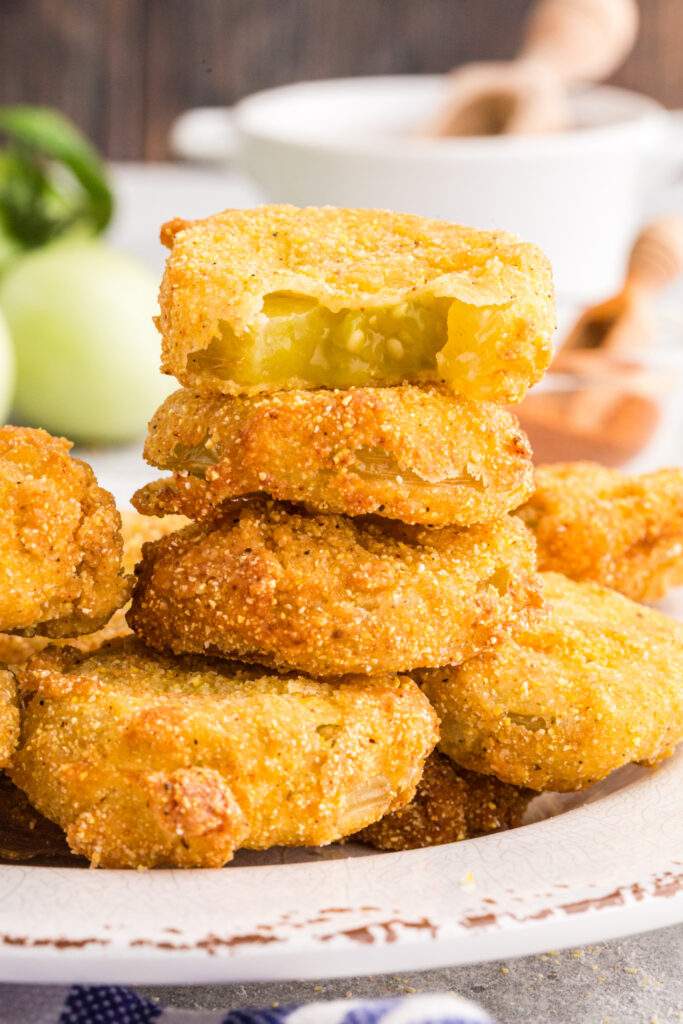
x,y
624,322
615,416
566,42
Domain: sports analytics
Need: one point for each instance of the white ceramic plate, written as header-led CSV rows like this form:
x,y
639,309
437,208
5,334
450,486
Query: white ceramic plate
x,y
605,867
598,865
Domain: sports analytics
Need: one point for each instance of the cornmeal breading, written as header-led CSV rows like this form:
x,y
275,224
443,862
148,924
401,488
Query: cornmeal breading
x,y
408,453
60,545
151,761
594,523
329,595
9,716
136,530
592,682
15,650
278,297
450,804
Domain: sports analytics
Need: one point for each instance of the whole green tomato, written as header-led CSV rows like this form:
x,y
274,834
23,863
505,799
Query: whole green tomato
x,y
6,371
87,352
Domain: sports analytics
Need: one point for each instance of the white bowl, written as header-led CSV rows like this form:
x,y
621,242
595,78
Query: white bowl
x,y
355,142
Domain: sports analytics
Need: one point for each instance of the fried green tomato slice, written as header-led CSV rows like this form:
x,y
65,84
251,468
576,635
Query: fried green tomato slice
x,y
136,530
278,297
450,804
60,543
593,523
408,453
150,761
330,595
591,683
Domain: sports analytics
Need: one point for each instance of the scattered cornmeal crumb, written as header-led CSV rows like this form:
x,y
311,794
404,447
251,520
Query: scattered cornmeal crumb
x,y
468,882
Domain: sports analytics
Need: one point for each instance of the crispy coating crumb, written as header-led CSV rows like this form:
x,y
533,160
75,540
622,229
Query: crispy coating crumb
x,y
472,308
24,833
152,761
450,804
414,454
136,530
592,682
329,595
60,545
9,716
593,523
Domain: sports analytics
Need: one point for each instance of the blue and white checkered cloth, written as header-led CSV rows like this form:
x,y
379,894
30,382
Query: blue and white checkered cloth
x,y
113,1005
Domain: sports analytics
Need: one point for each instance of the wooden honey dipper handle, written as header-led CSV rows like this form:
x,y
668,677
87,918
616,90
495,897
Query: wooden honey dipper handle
x,y
566,41
582,40
656,257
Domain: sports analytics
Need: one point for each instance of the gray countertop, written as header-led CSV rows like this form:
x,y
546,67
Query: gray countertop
x,y
637,980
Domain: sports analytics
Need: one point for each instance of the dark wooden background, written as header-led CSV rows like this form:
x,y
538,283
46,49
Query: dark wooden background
x,y
123,69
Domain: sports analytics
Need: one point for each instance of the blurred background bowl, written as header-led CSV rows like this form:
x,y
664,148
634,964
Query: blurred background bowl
x,y
357,142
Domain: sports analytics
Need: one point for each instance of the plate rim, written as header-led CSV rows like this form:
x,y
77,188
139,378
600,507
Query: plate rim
x,y
323,936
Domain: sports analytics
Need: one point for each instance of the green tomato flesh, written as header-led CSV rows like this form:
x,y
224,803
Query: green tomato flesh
x,y
87,352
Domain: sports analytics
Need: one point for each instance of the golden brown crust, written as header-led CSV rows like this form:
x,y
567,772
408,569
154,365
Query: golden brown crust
x,y
408,453
60,545
15,650
450,804
589,684
139,530
329,595
593,523
220,270
147,760
9,716
136,530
